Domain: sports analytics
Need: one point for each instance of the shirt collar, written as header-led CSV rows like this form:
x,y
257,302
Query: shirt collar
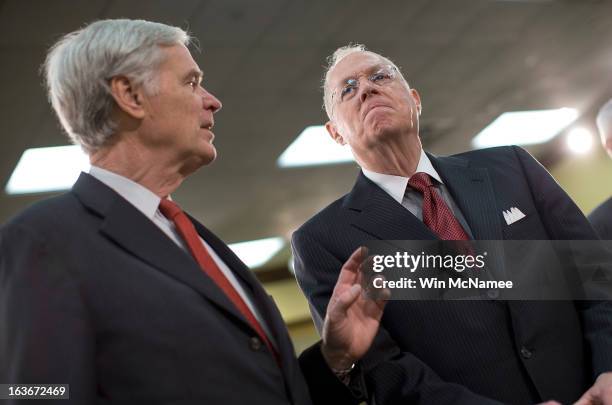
x,y
139,196
395,186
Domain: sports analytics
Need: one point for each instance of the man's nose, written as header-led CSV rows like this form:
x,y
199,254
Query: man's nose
x,y
211,102
366,88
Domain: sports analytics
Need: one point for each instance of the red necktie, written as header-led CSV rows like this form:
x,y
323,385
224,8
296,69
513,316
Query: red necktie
x,y
437,216
185,228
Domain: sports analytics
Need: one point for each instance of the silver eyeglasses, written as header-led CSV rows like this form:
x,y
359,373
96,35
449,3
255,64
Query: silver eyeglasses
x,y
381,77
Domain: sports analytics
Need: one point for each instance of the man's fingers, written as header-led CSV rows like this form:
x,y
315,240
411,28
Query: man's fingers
x,y
346,299
350,270
383,296
356,259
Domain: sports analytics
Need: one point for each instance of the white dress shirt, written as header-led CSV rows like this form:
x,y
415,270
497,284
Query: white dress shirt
x,y
147,202
411,199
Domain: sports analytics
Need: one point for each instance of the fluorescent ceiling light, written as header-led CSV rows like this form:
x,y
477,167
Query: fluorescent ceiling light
x,y
525,127
47,169
579,140
313,147
254,253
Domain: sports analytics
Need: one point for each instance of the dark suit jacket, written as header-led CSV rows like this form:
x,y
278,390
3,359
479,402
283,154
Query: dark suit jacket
x,y
466,352
94,295
601,219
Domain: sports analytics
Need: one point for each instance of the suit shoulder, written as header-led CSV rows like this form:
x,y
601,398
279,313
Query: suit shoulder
x,y
602,213
605,208
324,219
497,156
52,212
497,151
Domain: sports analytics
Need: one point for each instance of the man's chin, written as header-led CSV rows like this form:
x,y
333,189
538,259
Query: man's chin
x,y
387,128
384,129
210,157
192,162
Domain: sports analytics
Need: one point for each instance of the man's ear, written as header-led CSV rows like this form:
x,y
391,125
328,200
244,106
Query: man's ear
x,y
333,132
417,99
128,98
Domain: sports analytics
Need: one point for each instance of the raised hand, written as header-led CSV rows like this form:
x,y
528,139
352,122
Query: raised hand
x,y
352,319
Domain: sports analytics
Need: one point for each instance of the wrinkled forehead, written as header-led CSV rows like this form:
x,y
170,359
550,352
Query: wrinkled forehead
x,y
355,64
177,56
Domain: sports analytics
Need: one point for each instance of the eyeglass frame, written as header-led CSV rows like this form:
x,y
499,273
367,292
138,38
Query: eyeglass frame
x,y
392,73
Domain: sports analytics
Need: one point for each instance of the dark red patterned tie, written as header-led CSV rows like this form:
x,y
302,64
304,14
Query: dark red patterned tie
x,y
186,229
437,216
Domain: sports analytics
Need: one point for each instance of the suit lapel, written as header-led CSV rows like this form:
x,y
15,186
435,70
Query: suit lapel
x,y
134,232
254,288
381,216
262,302
472,190
384,218
226,254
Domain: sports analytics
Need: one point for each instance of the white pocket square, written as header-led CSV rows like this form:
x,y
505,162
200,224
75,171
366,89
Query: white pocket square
x,y
512,215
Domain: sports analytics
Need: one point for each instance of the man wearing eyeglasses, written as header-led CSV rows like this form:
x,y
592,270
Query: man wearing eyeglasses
x,y
460,352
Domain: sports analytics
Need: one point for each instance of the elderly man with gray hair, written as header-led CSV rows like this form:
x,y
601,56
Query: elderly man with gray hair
x,y
601,217
112,289
483,351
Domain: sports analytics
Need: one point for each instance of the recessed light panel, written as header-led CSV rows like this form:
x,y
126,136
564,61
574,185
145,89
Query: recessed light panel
x,y
47,169
525,127
314,147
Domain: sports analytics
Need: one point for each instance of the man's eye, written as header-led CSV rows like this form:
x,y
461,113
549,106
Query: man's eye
x,y
193,83
347,90
377,77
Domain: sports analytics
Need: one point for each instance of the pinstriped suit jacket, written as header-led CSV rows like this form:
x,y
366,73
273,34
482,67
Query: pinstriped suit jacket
x,y
468,352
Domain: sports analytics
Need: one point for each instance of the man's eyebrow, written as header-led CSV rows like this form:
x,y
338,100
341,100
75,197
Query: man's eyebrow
x,y
194,73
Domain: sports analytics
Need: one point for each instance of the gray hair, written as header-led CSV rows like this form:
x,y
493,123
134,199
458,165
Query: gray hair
x,y
78,69
604,120
334,59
